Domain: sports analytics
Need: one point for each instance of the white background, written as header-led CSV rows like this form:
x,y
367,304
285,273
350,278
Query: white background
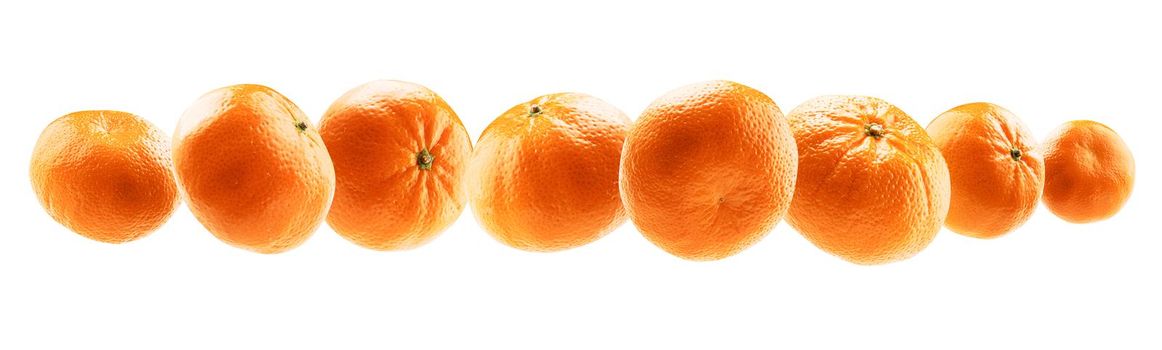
x,y
1048,285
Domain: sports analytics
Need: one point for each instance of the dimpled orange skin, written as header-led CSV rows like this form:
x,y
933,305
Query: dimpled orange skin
x,y
1089,172
708,169
105,175
253,170
872,187
996,171
544,173
400,156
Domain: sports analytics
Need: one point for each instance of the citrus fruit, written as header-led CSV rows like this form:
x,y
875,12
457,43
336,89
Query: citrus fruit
x,y
872,186
708,169
105,175
544,173
1089,172
995,169
253,169
400,156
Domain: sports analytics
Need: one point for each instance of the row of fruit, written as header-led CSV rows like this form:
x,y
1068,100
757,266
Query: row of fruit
x,y
705,171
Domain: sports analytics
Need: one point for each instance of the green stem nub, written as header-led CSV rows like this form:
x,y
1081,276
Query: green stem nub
x,y
424,159
534,110
874,130
1015,153
302,126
